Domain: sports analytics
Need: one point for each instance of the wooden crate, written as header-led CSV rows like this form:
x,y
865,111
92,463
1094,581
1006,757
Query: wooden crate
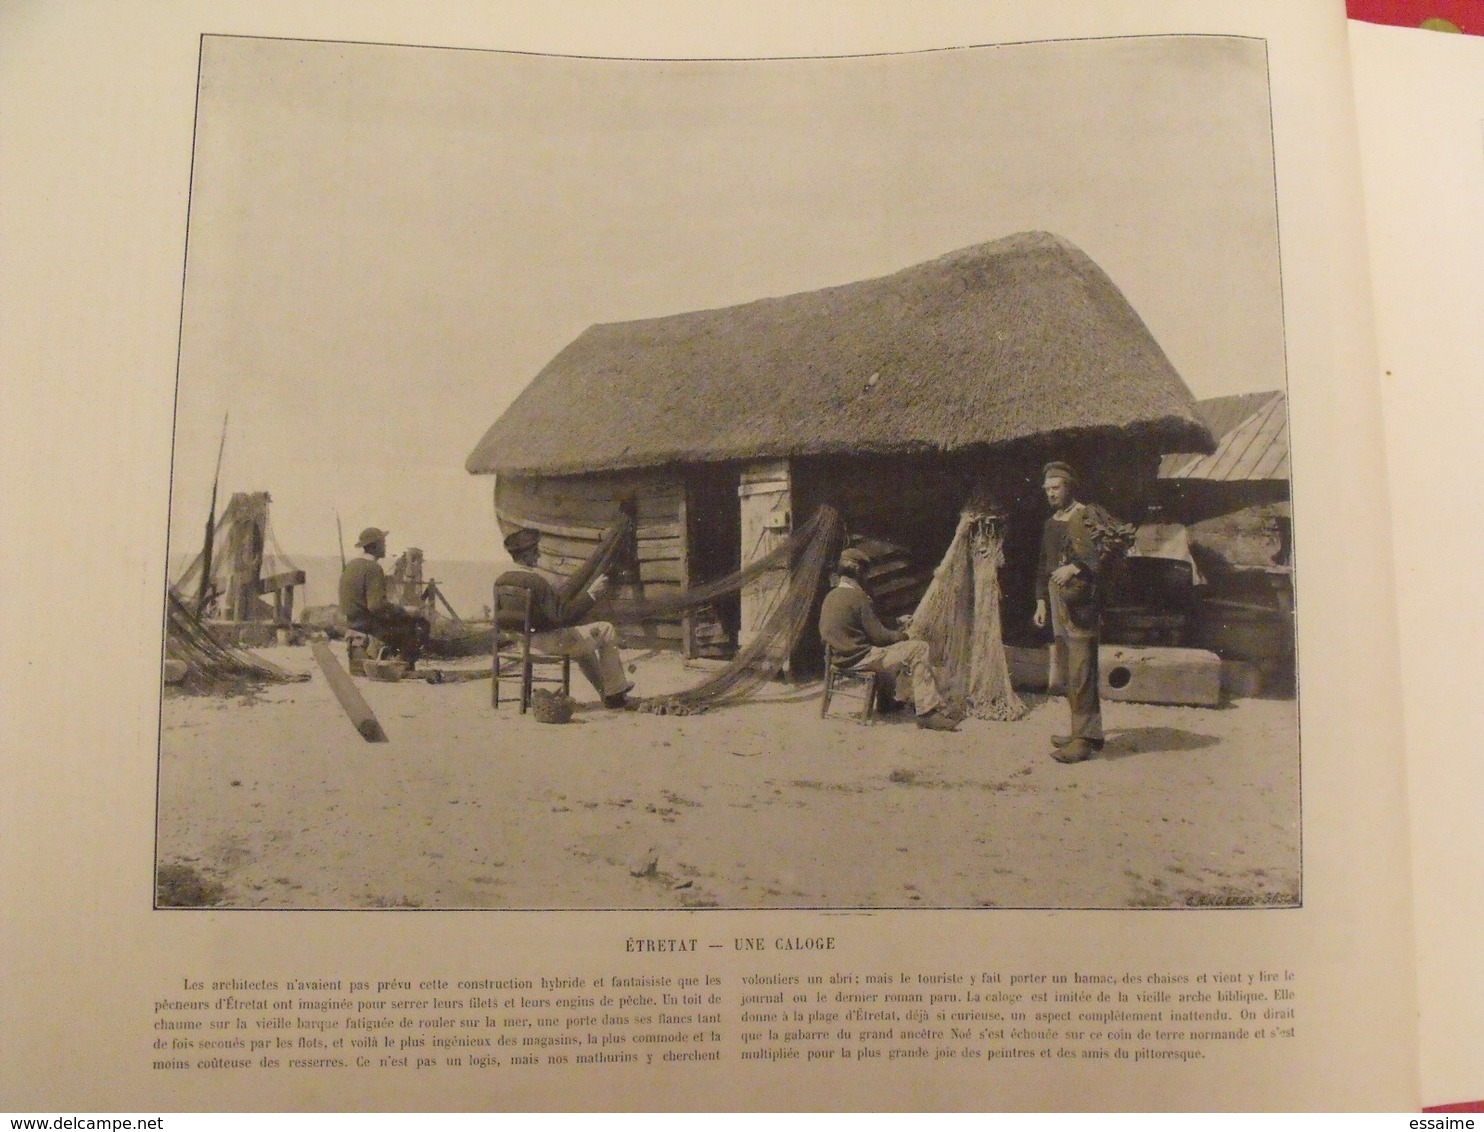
x,y
1159,675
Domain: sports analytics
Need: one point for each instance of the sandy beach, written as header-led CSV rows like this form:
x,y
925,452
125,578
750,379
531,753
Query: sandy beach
x,y
276,799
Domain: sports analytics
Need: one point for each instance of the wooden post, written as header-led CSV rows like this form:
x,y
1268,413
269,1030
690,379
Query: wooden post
x,y
203,595
281,586
766,493
687,619
438,595
246,533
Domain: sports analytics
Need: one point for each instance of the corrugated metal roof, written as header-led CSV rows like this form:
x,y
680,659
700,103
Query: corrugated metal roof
x,y
1255,449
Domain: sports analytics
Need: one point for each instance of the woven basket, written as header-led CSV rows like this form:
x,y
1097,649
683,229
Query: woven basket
x,y
388,671
551,707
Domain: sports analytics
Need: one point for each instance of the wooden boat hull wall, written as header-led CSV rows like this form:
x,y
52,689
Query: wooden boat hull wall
x,y
573,512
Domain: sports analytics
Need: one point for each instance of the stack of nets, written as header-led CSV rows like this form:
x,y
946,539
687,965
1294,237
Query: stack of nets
x,y
210,665
959,616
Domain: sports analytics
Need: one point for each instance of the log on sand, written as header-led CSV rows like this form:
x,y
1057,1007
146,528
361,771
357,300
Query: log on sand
x,y
350,698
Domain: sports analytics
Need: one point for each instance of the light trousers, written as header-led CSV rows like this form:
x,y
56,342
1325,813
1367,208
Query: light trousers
x,y
914,657
594,647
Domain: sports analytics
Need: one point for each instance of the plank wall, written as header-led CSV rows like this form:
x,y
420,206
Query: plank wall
x,y
573,513
767,522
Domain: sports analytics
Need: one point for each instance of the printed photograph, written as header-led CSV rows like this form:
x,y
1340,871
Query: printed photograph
x,y
836,483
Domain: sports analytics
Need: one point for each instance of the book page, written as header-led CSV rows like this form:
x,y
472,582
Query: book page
x,y
277,271
1421,104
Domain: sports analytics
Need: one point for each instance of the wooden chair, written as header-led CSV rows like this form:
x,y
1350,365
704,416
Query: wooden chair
x,y
833,676
513,658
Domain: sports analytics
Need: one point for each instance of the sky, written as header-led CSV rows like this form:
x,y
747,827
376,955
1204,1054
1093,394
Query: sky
x,y
387,243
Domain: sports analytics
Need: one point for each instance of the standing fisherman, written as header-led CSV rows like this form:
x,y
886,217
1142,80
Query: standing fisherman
x,y
1067,582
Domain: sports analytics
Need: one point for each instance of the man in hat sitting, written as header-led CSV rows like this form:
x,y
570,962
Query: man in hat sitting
x,y
860,643
1067,587
557,622
364,602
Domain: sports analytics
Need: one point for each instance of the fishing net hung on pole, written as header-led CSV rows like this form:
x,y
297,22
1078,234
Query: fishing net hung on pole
x,y
959,616
806,555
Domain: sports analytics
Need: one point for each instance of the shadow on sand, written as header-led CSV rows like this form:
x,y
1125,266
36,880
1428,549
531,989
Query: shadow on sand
x,y
1126,742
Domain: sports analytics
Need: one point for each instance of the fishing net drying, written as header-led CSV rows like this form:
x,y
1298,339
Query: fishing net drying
x,y
242,534
210,665
959,616
805,555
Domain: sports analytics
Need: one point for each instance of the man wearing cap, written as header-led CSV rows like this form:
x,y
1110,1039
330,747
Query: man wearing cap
x,y
364,602
558,622
860,643
1067,587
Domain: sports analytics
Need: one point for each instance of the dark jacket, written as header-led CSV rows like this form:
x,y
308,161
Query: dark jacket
x,y
548,610
1070,542
849,625
362,591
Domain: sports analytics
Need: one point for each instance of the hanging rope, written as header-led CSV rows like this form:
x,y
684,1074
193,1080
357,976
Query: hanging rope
x,y
960,615
633,610
805,555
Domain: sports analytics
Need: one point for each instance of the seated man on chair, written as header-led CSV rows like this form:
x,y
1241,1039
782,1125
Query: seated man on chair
x,y
860,643
364,602
558,626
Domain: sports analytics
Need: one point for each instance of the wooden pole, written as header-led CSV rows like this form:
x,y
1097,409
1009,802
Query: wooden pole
x,y
350,698
203,595
433,585
245,543
687,618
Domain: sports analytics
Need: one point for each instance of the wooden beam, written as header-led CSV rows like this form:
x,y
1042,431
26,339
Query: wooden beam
x,y
585,502
687,621
279,582
597,487
350,698
438,594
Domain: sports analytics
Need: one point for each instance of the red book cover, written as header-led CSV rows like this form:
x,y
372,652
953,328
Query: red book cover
x,y
1465,16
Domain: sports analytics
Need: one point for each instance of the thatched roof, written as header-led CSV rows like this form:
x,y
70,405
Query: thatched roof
x,y
992,344
1253,442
